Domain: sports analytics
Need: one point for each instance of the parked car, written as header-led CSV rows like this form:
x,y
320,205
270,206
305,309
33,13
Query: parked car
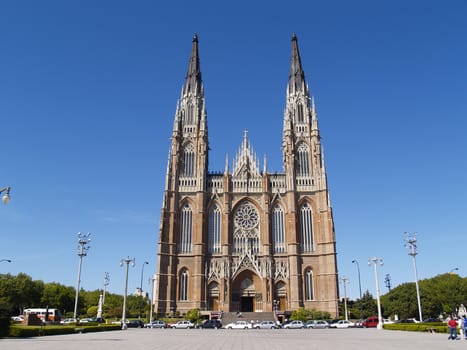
x,y
266,325
409,320
432,320
294,325
371,322
156,324
238,325
183,325
342,324
19,318
387,321
317,324
68,320
214,323
134,324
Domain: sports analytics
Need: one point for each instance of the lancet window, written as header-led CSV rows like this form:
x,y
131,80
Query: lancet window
x,y
214,244
306,228
186,229
278,232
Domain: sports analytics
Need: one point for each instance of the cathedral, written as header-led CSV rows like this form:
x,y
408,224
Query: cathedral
x,y
245,239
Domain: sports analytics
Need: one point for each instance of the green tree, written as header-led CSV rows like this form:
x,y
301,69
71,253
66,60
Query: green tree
x,y
58,296
301,314
364,307
193,315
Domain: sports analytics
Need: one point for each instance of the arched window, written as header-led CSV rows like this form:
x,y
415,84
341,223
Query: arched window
x,y
186,226
246,229
278,232
214,244
302,160
306,228
188,161
183,285
309,284
190,114
300,114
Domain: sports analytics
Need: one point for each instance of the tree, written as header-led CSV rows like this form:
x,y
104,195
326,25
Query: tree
x,y
364,307
193,315
301,314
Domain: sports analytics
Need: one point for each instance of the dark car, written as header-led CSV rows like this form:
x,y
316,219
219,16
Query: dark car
x,y
409,320
135,324
432,320
216,324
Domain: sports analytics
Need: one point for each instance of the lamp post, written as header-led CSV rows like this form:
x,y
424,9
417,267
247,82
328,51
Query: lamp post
x,y
152,298
344,282
411,244
375,261
126,261
359,286
6,196
141,287
83,247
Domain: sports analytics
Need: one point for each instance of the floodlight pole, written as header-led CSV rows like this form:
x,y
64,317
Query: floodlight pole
x,y
83,247
411,244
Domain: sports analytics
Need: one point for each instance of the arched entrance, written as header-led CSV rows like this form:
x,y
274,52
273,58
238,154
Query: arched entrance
x,y
246,292
213,296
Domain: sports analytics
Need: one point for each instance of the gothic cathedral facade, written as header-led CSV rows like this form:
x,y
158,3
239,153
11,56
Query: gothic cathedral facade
x,y
246,240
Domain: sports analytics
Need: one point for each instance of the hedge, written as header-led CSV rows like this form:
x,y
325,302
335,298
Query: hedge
x,y
19,331
438,327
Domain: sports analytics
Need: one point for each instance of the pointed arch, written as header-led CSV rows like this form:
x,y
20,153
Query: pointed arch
x,y
188,165
309,285
183,284
302,156
278,229
186,229
306,228
300,113
215,230
246,222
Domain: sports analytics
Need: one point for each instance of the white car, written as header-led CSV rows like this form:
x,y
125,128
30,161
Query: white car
x,y
294,325
317,324
342,324
238,325
265,325
183,325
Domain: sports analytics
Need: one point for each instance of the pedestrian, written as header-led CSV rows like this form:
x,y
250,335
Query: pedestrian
x,y
465,327
460,324
452,324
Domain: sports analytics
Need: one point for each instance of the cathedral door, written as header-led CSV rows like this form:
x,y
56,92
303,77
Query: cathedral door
x,y
247,304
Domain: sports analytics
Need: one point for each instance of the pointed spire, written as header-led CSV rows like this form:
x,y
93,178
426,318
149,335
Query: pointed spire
x,y
226,170
296,74
193,76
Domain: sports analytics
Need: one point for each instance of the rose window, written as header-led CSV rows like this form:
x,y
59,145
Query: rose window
x,y
246,217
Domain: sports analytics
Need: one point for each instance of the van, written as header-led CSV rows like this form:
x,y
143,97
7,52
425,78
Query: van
x,y
371,322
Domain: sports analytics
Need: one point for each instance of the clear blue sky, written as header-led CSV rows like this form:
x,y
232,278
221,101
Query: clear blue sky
x,y
88,91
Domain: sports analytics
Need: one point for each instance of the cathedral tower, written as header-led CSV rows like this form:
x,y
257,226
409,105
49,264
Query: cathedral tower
x,y
246,240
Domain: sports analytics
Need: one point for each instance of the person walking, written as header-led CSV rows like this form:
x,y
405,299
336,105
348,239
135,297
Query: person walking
x,y
465,327
452,325
460,324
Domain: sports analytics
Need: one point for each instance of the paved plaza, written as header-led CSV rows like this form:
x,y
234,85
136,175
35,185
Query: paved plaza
x,y
208,339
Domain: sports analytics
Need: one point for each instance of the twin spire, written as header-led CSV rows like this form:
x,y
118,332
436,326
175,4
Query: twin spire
x,y
193,81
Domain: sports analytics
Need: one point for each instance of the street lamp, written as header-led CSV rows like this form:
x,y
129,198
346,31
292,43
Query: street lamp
x,y
344,282
153,278
374,261
83,247
6,196
411,244
141,287
127,261
359,286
